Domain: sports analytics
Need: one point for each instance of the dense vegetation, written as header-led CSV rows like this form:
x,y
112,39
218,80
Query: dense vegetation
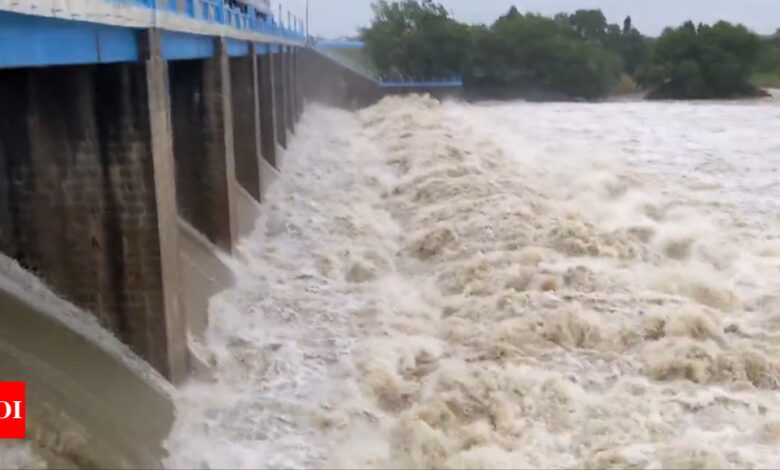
x,y
578,55
416,40
705,61
768,70
530,53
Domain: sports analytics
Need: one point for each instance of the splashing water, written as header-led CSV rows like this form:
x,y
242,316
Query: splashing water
x,y
505,286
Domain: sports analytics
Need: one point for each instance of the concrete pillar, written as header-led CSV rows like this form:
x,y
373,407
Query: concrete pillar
x,y
243,79
280,84
167,210
203,144
298,83
294,84
267,90
229,142
289,95
87,195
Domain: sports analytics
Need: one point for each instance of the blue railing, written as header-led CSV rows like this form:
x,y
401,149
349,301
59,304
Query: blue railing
x,y
341,44
219,12
434,83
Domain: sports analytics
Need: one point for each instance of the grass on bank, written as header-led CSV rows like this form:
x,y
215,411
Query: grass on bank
x,y
767,80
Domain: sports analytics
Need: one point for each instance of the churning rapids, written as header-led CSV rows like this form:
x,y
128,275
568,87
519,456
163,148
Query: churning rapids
x,y
506,285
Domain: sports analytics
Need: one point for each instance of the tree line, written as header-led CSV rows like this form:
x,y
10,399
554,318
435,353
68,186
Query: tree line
x,y
570,55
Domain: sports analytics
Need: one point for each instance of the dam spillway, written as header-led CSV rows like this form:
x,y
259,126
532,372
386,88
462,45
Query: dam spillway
x,y
413,284
137,139
503,285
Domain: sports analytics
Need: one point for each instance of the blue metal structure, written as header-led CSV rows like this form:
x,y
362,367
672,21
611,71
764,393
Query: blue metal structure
x,y
28,40
341,44
451,83
219,12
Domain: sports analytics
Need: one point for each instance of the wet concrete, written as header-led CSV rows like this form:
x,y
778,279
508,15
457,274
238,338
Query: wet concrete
x,y
90,402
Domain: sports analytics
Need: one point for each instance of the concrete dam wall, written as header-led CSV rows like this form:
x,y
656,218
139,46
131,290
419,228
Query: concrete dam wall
x,y
127,178
90,401
101,166
125,183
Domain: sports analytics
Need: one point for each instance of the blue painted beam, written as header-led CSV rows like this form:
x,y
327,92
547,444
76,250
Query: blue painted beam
x,y
262,48
236,48
183,46
117,44
34,41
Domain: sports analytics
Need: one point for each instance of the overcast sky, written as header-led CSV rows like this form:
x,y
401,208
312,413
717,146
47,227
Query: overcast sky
x,y
334,18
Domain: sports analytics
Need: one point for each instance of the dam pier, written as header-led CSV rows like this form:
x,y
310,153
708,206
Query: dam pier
x,y
121,179
137,139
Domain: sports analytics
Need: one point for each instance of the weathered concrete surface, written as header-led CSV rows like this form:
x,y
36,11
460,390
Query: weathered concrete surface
x,y
90,402
299,101
204,274
99,162
280,99
200,146
246,128
78,197
268,176
173,316
267,91
290,113
247,210
228,136
205,268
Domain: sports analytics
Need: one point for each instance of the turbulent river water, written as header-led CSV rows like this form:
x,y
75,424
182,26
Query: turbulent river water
x,y
505,285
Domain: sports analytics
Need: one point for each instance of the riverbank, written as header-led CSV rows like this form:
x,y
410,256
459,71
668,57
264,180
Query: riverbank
x,y
671,93
767,80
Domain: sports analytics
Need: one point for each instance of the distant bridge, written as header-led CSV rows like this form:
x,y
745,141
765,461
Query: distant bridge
x,y
327,46
340,44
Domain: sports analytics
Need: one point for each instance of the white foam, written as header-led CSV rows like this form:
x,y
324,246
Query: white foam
x,y
504,286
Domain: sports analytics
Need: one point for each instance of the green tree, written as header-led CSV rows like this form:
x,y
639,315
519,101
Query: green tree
x,y
520,53
706,61
416,40
590,25
635,50
769,57
627,42
516,54
570,55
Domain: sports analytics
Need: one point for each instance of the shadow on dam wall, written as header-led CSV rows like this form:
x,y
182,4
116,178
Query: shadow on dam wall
x,y
90,402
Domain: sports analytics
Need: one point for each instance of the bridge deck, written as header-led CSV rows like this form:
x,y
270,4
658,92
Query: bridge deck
x,y
60,32
328,48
